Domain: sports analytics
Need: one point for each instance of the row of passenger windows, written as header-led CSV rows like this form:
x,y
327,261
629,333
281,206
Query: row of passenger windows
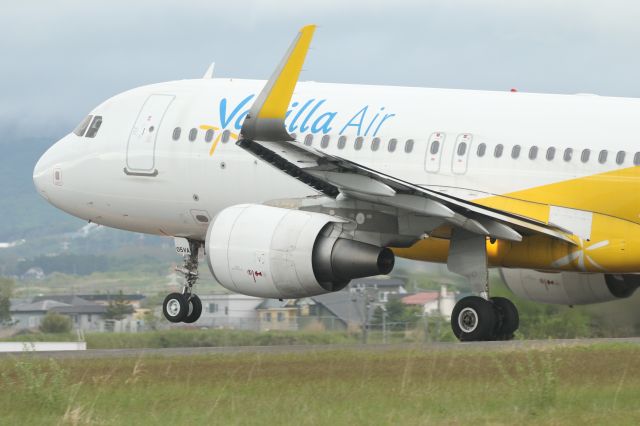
x,y
86,130
550,154
391,145
358,143
208,135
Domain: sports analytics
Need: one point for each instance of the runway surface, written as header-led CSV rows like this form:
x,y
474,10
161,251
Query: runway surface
x,y
283,349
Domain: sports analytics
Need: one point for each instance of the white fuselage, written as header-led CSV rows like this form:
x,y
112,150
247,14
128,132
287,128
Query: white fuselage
x,y
149,182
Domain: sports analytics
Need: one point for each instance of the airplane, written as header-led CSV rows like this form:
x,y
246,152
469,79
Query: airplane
x,y
292,189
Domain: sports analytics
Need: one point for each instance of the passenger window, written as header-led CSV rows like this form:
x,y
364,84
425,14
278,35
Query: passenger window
x,y
636,159
82,127
551,153
208,136
308,140
358,143
515,152
176,133
585,155
462,149
342,142
602,157
225,136
324,142
375,144
498,151
95,126
408,146
568,154
392,144
533,152
620,157
435,146
482,148
193,134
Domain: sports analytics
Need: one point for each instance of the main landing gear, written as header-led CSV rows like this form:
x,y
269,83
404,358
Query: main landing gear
x,y
185,307
478,318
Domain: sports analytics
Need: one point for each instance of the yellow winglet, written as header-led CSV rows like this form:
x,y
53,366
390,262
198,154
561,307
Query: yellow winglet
x,y
265,120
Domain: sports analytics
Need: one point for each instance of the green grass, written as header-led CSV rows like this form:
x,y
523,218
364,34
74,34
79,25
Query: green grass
x,y
579,385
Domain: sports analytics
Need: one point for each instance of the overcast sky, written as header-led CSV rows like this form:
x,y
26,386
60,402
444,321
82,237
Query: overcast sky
x,y
61,58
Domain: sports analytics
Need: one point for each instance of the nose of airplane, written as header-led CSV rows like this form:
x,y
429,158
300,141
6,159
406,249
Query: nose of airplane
x,y
44,172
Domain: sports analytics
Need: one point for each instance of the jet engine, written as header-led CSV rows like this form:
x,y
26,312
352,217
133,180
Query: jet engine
x,y
280,253
569,288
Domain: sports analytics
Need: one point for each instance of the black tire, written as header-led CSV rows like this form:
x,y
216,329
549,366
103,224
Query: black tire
x,y
508,318
195,310
175,307
473,319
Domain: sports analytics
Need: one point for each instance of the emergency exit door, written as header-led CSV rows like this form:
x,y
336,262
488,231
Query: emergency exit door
x,y
461,153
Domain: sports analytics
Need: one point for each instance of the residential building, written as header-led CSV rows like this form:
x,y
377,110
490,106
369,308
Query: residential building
x,y
233,311
433,302
278,315
84,315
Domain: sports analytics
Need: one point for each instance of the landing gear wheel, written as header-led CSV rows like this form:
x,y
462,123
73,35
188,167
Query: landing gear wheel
x,y
175,307
195,309
508,318
473,319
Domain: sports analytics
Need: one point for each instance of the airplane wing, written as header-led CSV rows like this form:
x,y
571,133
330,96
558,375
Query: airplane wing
x,y
265,136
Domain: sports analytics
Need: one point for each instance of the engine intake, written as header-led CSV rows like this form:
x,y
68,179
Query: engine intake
x,y
279,253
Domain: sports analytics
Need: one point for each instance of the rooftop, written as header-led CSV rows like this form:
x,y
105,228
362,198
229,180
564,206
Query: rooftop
x,y
421,298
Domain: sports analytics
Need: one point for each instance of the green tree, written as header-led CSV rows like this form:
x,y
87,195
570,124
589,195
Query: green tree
x,y
399,315
55,323
6,292
118,308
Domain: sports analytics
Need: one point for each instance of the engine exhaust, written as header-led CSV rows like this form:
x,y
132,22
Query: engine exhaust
x,y
336,261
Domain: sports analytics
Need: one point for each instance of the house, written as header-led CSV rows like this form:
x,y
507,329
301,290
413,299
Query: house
x,y
341,310
381,286
28,315
84,315
433,302
278,315
232,311
135,300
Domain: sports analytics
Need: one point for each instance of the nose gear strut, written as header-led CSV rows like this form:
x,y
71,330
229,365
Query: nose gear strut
x,y
186,306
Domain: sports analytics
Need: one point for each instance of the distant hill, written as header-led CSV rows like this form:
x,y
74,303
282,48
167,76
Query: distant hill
x,y
23,213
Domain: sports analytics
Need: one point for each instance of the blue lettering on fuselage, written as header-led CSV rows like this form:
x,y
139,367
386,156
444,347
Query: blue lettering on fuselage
x,y
312,116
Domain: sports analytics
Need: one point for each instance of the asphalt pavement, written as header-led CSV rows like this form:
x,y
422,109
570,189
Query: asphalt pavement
x,y
513,345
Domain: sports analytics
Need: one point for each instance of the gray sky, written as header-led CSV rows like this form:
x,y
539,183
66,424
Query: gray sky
x,y
61,58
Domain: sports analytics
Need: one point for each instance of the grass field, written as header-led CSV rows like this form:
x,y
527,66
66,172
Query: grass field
x,y
594,385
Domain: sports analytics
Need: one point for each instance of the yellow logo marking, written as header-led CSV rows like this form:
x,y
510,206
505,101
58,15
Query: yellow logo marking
x,y
218,137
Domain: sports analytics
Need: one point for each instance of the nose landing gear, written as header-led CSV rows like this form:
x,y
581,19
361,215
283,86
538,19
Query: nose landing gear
x,y
186,306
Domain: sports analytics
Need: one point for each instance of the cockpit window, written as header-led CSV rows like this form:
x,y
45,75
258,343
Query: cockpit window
x,y
82,127
95,126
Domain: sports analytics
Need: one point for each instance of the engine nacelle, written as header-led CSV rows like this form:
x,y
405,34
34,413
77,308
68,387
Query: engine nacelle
x,y
569,288
279,253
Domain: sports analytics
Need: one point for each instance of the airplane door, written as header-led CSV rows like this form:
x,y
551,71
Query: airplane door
x,y
141,147
434,152
461,154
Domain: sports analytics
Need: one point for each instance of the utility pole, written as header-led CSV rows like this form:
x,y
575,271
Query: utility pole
x,y
384,324
365,322
361,291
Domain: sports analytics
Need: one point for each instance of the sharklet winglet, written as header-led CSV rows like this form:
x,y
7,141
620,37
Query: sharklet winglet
x,y
265,121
